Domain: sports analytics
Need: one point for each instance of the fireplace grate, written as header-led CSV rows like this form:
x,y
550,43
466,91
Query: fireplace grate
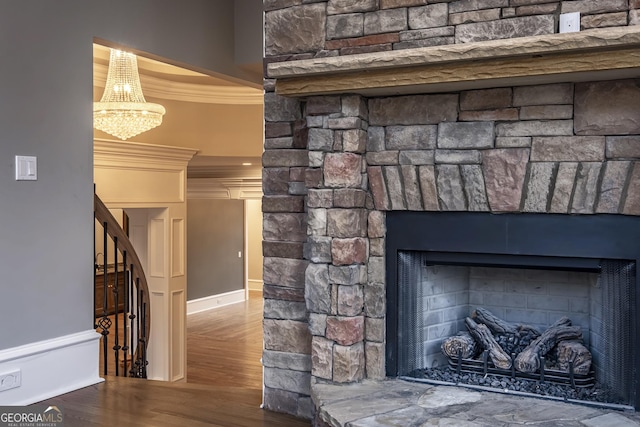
x,y
483,366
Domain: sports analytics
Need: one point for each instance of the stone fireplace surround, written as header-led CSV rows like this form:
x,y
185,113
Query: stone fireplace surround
x,y
334,164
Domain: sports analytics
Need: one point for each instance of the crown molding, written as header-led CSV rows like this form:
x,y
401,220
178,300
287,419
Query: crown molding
x,y
224,188
109,153
189,92
222,171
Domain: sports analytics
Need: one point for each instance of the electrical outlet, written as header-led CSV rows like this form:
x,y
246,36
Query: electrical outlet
x,y
10,380
570,22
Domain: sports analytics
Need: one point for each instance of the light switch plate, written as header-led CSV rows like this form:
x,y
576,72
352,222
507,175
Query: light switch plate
x,y
26,168
570,22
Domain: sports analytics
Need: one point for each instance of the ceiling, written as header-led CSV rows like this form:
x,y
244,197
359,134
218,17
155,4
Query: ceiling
x,y
163,70
166,81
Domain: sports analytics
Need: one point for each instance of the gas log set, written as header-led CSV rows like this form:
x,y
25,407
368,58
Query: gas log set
x,y
494,354
494,346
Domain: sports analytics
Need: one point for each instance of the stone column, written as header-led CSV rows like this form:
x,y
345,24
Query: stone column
x,y
287,342
338,243
375,296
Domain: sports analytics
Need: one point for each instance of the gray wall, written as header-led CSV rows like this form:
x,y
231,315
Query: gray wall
x,y
248,32
214,238
46,231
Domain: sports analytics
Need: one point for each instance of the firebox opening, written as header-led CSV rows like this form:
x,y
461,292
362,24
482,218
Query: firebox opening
x,y
573,276
585,314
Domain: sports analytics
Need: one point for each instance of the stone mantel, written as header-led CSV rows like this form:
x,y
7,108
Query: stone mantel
x,y
597,54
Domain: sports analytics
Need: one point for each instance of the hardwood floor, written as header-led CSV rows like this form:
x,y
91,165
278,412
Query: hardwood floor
x,y
223,388
129,402
224,346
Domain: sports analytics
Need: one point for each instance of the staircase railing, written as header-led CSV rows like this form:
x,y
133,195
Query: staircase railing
x,y
121,300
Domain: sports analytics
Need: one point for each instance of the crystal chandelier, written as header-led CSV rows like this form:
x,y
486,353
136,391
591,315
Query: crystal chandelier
x,y
123,111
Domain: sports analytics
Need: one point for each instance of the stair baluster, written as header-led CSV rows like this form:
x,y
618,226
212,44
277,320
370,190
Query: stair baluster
x,y
126,297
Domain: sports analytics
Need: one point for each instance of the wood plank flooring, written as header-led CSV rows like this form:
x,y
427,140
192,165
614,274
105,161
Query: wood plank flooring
x,y
224,346
223,388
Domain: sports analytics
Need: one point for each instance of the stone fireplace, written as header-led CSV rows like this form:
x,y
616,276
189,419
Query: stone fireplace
x,y
433,119
527,269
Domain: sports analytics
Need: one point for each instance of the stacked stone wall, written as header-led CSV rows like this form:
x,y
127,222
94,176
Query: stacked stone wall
x,y
334,164
562,148
302,29
287,341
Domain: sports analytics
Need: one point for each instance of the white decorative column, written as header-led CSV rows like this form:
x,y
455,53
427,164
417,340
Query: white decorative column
x,y
149,181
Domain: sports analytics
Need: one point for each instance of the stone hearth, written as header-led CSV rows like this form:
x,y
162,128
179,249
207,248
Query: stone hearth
x,y
397,403
449,106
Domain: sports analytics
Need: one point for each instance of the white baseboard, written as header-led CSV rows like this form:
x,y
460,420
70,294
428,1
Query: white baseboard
x,y
215,301
255,285
52,367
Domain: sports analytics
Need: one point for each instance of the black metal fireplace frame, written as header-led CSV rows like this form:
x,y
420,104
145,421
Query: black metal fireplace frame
x,y
576,242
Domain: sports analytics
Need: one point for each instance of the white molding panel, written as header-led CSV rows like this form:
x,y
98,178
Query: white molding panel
x,y
177,247
157,247
178,330
224,188
159,338
215,301
52,367
155,186
158,171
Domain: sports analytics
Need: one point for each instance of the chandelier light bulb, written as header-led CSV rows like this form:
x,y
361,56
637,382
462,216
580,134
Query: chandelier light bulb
x,y
123,112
